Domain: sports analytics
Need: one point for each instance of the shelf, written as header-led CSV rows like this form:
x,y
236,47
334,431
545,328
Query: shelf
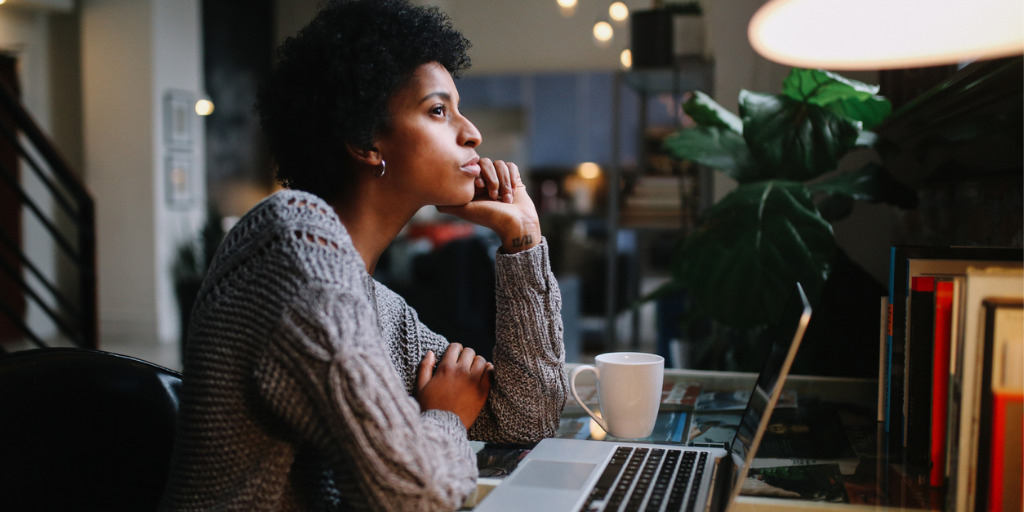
x,y
661,196
692,73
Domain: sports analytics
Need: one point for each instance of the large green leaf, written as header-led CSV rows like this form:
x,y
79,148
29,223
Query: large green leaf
x,y
749,249
794,140
823,87
870,112
706,112
851,99
871,183
715,147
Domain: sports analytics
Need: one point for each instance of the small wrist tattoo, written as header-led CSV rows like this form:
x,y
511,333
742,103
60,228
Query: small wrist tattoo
x,y
522,241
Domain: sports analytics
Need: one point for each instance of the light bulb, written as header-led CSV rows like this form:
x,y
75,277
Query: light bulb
x,y
618,11
588,170
204,107
626,58
603,31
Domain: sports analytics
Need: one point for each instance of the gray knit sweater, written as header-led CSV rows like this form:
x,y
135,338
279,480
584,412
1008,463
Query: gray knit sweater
x,y
300,370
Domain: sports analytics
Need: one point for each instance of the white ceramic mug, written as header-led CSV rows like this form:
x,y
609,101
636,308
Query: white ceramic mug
x,y
628,392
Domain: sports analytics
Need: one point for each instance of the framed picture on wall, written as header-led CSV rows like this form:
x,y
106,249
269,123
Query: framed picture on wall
x,y
178,119
179,179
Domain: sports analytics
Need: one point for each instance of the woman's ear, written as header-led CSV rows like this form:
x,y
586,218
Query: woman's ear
x,y
365,155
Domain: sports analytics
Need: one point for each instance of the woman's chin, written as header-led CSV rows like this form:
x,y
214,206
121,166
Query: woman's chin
x,y
461,199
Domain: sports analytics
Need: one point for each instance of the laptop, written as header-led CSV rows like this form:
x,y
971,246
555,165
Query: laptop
x,y
575,475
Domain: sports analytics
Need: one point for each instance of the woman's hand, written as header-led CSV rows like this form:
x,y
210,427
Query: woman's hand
x,y
503,205
460,383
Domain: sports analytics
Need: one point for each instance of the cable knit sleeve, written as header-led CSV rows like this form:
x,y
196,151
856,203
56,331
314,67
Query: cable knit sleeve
x,y
530,385
326,375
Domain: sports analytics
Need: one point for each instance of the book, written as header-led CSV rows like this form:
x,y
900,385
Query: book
x,y
940,383
675,396
680,395
815,482
918,375
821,434
904,262
1005,471
736,400
713,427
953,388
669,427
981,284
1001,404
882,321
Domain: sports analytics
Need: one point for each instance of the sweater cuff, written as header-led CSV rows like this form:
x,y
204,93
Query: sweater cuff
x,y
447,420
529,269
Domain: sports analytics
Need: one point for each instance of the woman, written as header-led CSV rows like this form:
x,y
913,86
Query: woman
x,y
310,386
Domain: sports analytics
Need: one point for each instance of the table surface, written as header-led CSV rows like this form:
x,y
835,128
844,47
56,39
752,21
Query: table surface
x,y
847,408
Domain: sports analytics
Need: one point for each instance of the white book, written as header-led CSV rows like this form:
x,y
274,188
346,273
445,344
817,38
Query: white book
x,y
979,285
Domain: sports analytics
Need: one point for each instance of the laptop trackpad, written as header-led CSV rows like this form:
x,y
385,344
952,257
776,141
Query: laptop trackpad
x,y
553,475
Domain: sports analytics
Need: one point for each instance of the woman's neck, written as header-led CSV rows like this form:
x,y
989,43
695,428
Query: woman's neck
x,y
371,223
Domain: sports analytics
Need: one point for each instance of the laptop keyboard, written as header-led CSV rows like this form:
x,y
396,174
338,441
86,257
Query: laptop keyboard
x,y
645,479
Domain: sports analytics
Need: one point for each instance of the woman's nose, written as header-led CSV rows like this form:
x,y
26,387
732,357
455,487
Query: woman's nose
x,y
470,135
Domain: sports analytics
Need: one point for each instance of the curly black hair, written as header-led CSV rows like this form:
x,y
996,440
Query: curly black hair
x,y
332,81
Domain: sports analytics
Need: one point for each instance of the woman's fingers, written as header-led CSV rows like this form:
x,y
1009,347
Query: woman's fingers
x,y
499,179
512,182
489,175
426,370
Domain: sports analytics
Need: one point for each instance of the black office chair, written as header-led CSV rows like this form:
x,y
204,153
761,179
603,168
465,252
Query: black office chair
x,y
84,430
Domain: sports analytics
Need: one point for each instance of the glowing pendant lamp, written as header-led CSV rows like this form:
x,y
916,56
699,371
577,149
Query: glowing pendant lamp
x,y
886,34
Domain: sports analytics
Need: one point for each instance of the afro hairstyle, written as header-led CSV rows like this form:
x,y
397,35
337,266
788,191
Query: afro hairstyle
x,y
332,81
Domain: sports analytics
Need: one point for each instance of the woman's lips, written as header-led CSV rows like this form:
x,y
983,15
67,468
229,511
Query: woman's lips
x,y
472,166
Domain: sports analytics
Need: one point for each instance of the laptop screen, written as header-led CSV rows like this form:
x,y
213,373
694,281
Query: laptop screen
x,y
783,339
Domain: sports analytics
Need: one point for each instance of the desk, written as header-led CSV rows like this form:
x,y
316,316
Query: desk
x,y
843,412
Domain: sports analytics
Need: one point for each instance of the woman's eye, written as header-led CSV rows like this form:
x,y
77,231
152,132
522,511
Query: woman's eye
x,y
438,110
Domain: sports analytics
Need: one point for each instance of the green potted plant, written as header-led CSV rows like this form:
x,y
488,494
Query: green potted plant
x,y
776,226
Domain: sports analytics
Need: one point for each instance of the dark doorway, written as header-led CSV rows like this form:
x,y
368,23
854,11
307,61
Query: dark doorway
x,y
237,48
12,297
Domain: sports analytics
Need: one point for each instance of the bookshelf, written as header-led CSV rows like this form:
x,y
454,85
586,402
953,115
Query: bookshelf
x,y
940,391
654,199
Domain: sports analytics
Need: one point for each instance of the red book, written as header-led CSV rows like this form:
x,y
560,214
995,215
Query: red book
x,y
940,380
1005,468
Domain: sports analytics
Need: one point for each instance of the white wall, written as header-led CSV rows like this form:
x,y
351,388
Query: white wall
x,y
178,49
133,51
24,33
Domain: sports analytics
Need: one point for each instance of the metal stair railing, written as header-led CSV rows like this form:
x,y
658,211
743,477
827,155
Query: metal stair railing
x,y
62,295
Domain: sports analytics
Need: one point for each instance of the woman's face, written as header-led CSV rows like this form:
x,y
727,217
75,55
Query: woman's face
x,y
430,149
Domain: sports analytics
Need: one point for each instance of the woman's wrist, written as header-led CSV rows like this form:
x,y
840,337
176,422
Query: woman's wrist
x,y
520,236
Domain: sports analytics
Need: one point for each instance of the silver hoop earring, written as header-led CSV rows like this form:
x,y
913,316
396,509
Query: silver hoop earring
x,y
383,167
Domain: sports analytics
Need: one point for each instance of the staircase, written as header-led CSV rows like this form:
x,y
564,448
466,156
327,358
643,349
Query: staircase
x,y
47,240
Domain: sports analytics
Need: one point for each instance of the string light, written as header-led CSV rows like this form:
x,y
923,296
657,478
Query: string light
x,y
626,58
204,106
603,32
618,11
568,7
588,170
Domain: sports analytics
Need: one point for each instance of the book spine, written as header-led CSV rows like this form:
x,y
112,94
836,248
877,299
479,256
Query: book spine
x,y
940,382
918,375
1005,469
895,335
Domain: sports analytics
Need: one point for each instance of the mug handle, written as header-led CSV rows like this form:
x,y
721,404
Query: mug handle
x,y
572,387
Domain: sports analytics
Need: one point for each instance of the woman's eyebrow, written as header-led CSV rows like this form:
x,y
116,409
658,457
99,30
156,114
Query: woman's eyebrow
x,y
439,94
